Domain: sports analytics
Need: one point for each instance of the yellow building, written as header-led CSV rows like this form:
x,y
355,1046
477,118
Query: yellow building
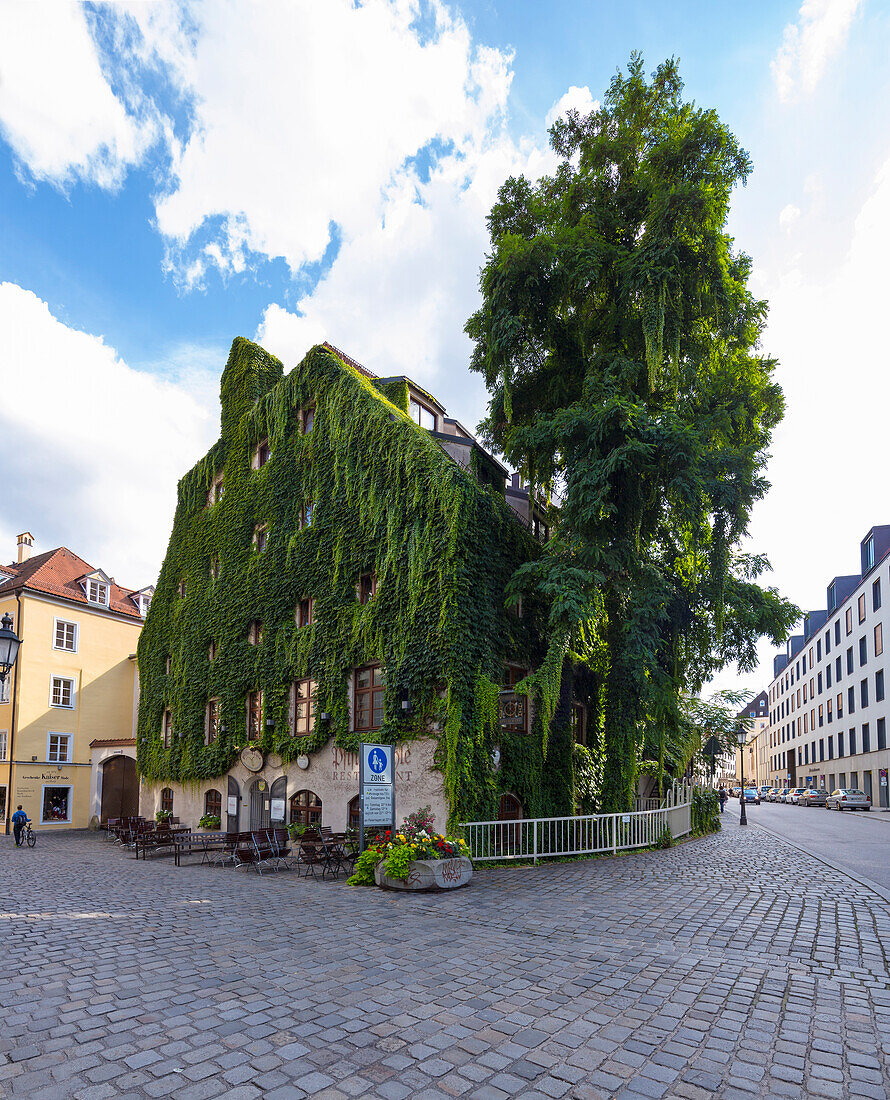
x,y
70,700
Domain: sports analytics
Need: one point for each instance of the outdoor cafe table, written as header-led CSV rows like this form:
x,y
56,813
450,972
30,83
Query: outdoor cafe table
x,y
158,834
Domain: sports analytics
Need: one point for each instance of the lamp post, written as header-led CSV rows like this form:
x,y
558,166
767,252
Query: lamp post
x,y
9,651
742,737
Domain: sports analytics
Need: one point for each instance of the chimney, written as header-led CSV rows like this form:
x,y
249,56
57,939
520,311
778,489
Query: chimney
x,y
516,480
25,539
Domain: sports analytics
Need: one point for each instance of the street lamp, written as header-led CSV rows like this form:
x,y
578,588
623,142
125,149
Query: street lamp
x,y
9,646
742,736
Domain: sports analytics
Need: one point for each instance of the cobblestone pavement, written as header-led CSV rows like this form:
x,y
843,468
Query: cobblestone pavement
x,y
733,966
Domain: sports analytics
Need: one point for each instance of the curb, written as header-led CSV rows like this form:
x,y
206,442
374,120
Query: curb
x,y
875,887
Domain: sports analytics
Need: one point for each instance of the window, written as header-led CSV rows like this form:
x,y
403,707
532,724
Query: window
x,y
307,419
213,804
62,692
181,590
819,650
837,632
876,595
353,814
821,716
806,754
261,538
851,701
579,731
827,642
879,686
837,668
305,610
167,800
832,596
852,742
862,608
168,665
4,743
58,748
868,553
821,749
819,682
97,592
848,620
863,651
512,707
305,808
211,722
211,651
863,693
261,455
255,632
421,415
367,587
840,704
369,685
167,729
879,640
214,569
812,662
866,738
254,706
65,636
850,659
5,689
882,733
828,675
56,805
805,693
831,748
216,490
307,513
829,706
305,707
840,744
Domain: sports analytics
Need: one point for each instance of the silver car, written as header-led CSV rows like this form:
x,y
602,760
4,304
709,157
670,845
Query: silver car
x,y
848,798
813,796
794,794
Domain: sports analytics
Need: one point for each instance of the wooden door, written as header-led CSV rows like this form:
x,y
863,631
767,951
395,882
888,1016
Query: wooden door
x,y
233,792
120,788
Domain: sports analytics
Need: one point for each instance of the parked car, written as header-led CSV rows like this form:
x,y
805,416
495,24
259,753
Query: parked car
x,y
814,796
794,796
764,791
734,791
848,798
772,794
783,794
752,794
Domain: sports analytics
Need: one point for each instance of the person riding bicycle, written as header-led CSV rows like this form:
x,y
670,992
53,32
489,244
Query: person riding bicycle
x,y
19,820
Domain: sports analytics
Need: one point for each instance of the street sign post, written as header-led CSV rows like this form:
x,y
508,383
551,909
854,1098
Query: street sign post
x,y
377,788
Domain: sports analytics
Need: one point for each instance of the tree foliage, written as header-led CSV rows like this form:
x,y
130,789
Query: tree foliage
x,y
620,344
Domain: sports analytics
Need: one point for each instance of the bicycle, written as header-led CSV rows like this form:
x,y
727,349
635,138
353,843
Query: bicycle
x,y
29,837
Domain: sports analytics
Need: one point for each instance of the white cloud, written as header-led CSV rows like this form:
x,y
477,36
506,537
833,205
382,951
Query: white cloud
x,y
789,217
92,449
57,110
810,44
577,99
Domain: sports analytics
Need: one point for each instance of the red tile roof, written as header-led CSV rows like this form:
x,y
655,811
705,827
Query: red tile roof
x,y
348,359
57,573
112,742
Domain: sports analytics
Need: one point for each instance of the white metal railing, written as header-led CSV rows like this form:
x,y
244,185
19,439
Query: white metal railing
x,y
538,838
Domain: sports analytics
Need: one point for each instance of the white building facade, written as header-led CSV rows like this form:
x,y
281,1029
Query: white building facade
x,y
828,709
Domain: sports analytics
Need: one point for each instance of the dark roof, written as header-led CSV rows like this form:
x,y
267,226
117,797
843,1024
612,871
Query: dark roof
x,y
348,359
112,742
58,573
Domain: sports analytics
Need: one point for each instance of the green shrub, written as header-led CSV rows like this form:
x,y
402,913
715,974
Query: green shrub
x,y
705,812
365,865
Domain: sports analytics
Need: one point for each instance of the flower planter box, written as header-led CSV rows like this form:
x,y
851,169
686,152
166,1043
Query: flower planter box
x,y
429,874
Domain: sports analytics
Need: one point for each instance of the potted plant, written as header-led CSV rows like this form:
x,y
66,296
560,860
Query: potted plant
x,y
163,817
415,857
210,822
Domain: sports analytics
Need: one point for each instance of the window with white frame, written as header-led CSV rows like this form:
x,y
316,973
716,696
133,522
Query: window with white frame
x,y
4,743
421,415
58,748
65,636
97,592
61,692
5,688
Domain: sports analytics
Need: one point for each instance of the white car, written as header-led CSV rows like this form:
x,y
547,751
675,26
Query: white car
x,y
764,792
847,798
794,796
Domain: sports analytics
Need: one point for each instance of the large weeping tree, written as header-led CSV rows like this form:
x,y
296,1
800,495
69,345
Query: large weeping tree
x,y
620,345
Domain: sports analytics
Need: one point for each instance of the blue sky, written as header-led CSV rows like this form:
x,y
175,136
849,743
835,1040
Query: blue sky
x,y
174,175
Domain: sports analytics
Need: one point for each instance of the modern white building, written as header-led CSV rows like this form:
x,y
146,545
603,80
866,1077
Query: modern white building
x,y
827,705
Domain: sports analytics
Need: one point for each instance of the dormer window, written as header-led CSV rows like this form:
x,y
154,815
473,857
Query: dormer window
x,y
307,513
97,593
367,587
421,415
261,538
261,455
305,609
216,490
307,419
255,632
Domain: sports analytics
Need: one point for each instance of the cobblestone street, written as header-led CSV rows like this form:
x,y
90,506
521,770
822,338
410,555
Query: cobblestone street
x,y
733,966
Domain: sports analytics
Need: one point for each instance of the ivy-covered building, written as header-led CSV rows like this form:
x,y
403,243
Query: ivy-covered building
x,y
336,573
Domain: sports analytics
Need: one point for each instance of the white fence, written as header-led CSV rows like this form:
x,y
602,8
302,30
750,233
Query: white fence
x,y
538,838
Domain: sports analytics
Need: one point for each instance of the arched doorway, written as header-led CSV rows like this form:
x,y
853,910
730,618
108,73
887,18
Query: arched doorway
x,y
120,788
353,814
233,808
260,808
305,808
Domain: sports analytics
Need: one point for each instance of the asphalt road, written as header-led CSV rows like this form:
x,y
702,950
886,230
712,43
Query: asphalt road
x,y
857,842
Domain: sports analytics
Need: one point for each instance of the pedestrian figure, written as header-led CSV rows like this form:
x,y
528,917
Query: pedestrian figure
x,y
721,794
19,821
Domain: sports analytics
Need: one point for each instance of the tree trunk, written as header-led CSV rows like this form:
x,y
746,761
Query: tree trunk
x,y
621,715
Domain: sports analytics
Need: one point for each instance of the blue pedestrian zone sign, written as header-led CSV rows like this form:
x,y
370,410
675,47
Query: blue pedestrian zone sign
x,y
377,787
